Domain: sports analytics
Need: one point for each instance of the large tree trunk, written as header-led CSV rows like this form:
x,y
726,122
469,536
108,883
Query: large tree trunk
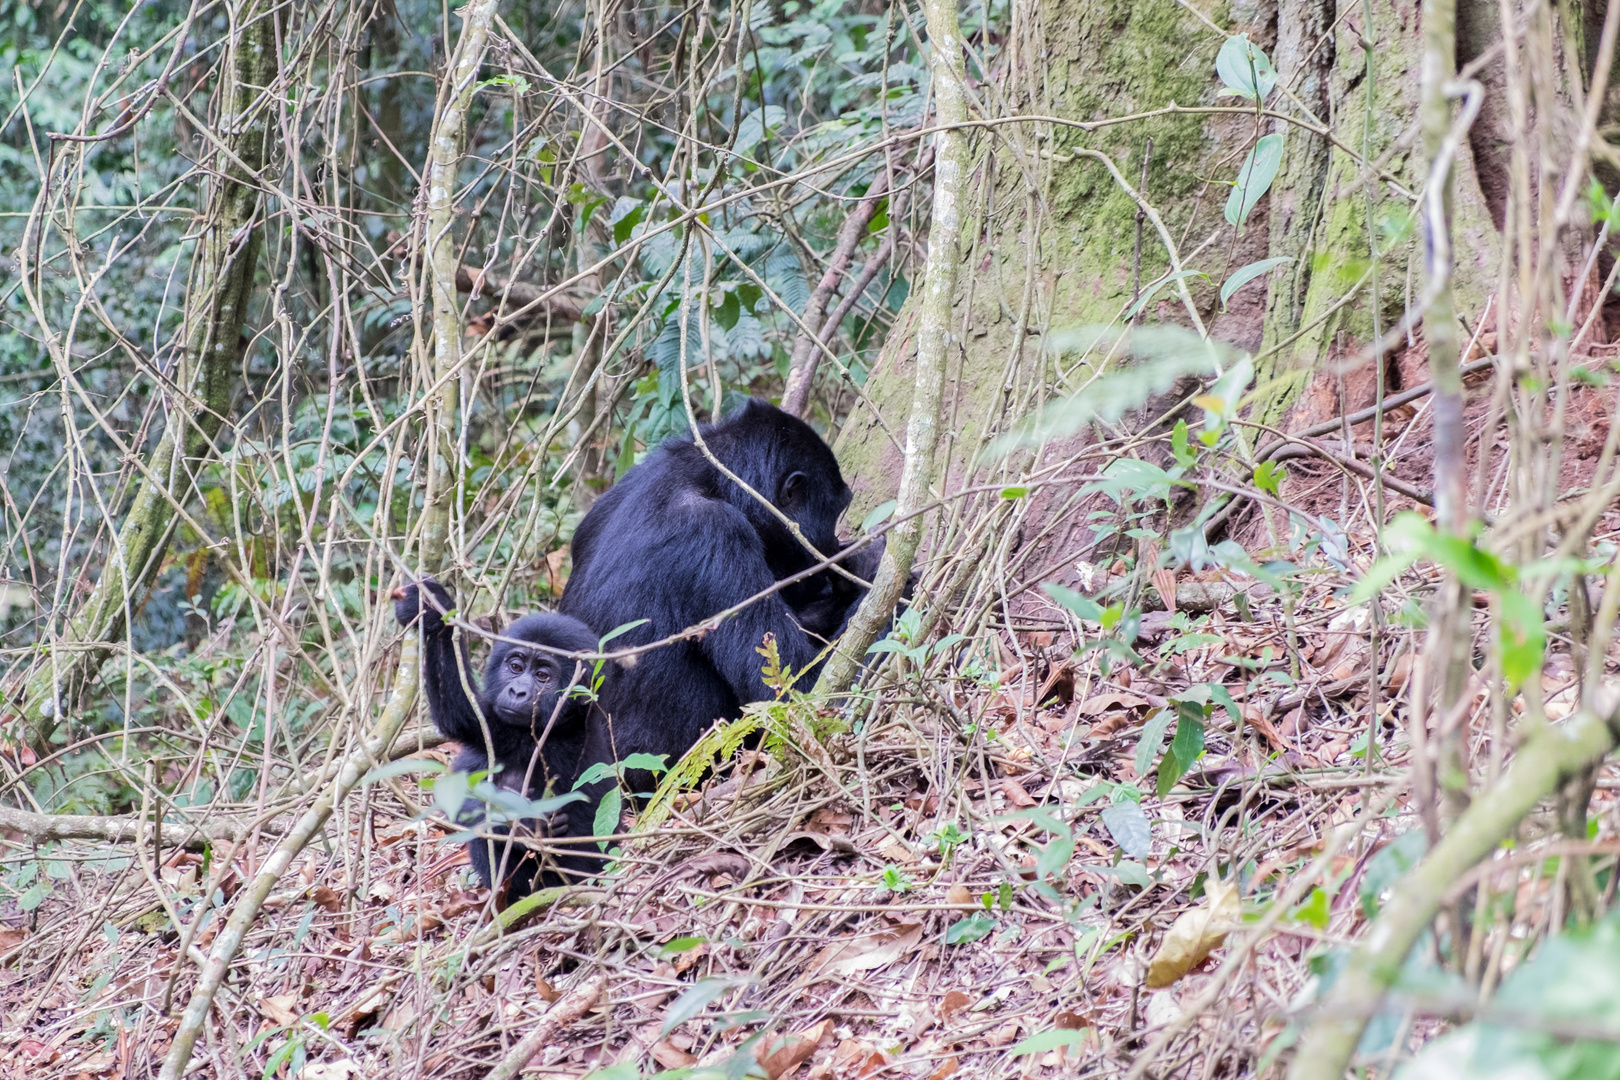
x,y
221,285
1058,250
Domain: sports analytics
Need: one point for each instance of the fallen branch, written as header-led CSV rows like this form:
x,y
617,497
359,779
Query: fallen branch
x,y
564,1011
1549,758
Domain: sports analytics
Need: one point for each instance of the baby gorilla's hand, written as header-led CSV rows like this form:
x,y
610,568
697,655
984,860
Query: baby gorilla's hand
x,y
409,602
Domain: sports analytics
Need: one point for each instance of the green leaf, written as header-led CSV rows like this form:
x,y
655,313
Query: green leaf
x,y
1083,606
624,628
624,1070
1245,274
1152,738
1042,1041
35,896
1254,179
969,929
1388,866
729,311
626,216
1379,575
1245,69
1129,827
649,762
680,945
1185,749
1153,290
880,513
1523,638
1163,355
1185,456
749,294
1268,477
695,1001
606,822
1315,911
1014,492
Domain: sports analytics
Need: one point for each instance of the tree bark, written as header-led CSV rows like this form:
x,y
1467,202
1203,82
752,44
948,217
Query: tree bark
x,y
216,308
934,317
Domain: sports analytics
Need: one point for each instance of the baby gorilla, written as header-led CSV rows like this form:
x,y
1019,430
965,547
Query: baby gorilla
x,y
524,705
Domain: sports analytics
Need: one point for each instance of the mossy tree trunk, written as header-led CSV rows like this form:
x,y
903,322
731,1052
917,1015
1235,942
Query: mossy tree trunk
x,y
216,306
1057,247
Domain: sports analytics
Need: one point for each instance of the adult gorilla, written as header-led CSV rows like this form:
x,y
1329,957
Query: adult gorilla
x,y
676,541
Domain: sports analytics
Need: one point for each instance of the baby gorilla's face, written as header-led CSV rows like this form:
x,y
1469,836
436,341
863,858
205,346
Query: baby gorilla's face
x,y
527,683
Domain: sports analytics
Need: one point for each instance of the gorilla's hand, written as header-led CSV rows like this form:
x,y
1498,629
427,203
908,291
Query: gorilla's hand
x,y
409,602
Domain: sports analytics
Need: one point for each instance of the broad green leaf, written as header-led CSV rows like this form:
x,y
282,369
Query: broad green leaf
x,y
1152,738
1523,638
1042,1041
1379,575
680,945
1163,355
969,929
880,513
1245,274
627,214
649,762
1083,606
1129,827
729,311
1389,865
607,815
1316,910
1245,69
1268,477
1254,179
695,1001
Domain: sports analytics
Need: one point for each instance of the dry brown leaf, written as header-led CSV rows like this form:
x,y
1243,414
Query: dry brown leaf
x,y
327,899
958,894
1004,1034
864,952
1016,795
670,1056
795,1050
1098,704
895,851
946,1068
547,992
282,1009
1195,934
12,936
954,1002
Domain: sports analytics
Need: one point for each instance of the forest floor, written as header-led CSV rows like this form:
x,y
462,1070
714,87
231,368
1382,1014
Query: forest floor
x,y
981,882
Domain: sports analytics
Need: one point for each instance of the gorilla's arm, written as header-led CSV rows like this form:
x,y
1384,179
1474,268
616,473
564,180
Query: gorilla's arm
x,y
442,662
728,570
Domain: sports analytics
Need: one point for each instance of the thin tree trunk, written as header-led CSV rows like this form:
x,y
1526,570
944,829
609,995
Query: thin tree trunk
x,y
444,164
215,309
948,76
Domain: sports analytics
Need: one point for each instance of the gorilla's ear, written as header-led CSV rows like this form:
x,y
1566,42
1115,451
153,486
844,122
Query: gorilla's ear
x,y
792,491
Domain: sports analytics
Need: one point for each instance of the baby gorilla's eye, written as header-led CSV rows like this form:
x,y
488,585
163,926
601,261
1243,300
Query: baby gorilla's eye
x,y
515,665
543,674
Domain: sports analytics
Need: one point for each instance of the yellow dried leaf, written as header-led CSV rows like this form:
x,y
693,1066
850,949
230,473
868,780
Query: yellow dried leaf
x,y
1195,934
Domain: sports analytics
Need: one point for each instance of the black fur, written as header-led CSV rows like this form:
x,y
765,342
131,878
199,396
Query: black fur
x,y
521,690
675,542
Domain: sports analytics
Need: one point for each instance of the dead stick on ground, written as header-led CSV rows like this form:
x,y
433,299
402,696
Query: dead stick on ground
x,y
568,1008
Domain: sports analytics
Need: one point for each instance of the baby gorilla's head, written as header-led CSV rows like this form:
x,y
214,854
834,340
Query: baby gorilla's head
x,y
523,682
